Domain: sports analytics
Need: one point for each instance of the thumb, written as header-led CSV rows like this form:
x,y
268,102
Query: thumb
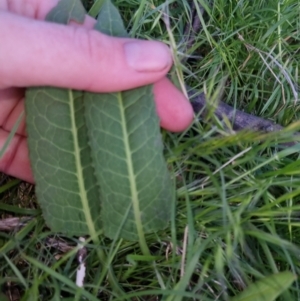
x,y
35,53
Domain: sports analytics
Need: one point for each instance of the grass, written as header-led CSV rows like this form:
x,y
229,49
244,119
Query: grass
x,y
236,219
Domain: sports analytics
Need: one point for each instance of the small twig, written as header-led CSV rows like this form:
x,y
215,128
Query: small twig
x,y
239,119
59,244
13,223
81,256
183,257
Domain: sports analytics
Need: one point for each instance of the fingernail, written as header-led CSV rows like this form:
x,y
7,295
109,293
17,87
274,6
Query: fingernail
x,y
147,56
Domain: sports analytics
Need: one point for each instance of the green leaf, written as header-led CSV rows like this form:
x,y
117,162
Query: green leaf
x,y
110,22
60,158
130,168
267,289
67,10
128,153
98,158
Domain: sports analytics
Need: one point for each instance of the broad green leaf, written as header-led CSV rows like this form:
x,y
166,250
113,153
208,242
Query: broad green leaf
x,y
130,168
128,153
267,289
67,10
60,158
110,22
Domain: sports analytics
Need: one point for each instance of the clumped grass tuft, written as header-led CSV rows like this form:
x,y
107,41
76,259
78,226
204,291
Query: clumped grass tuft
x,y
236,218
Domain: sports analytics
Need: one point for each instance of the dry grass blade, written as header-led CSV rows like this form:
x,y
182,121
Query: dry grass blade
x,y
13,223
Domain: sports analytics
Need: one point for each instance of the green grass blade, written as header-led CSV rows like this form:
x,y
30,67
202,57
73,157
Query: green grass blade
x,y
62,278
9,185
267,289
11,135
16,271
17,210
96,7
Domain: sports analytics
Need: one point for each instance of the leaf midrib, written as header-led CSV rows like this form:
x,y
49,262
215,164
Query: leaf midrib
x,y
79,173
132,176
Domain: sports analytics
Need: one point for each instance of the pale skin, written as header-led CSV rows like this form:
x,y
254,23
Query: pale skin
x,y
38,53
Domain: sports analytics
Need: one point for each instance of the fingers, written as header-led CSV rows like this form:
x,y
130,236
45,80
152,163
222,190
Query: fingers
x,y
12,105
35,9
75,57
15,161
174,110
79,58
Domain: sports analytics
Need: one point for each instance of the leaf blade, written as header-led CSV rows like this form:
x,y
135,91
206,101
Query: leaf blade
x,y
110,21
65,11
60,157
141,180
125,184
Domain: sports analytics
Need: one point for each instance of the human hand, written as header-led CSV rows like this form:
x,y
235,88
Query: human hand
x,y
38,53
